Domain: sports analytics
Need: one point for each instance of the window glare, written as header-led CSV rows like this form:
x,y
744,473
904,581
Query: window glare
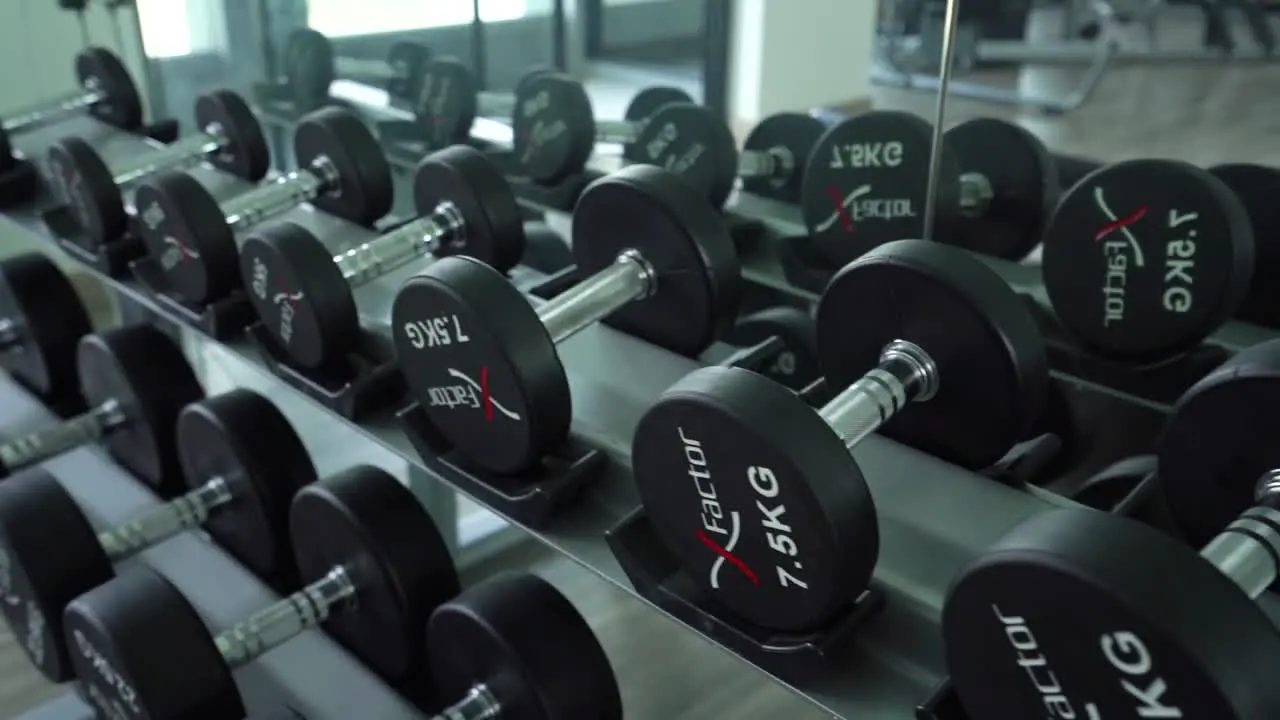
x,y
166,29
339,18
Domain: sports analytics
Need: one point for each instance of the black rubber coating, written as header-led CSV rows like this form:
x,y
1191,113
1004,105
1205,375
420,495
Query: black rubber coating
x,y
51,319
87,186
554,128
365,191
246,154
99,68
447,104
467,179
643,106
693,142
1257,188
185,232
787,134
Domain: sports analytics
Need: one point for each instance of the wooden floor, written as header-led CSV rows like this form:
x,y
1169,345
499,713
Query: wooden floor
x,y
1202,114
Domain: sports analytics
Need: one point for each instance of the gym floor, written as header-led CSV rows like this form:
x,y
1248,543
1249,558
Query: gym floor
x,y
1204,115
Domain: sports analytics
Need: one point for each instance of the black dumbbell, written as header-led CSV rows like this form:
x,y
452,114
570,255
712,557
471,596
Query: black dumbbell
x,y
42,319
135,382
243,462
302,292
377,568
514,647
1144,258
450,99
796,364
341,170
482,361
106,92
867,180
1133,621
230,139
310,66
1257,187
800,534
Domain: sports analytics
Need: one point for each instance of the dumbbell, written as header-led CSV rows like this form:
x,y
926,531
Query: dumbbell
x,y
106,92
243,462
377,568
1256,187
758,492
302,292
1132,621
658,264
1144,258
42,319
230,139
796,364
310,66
514,647
867,179
135,382
341,170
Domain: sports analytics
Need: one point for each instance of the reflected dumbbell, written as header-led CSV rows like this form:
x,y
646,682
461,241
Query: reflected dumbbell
x,y
135,381
958,370
244,463
482,362
377,568
42,319
514,647
310,66
450,99
303,293
106,92
341,170
230,139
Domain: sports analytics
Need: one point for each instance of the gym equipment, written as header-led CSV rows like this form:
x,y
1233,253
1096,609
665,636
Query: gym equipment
x,y
341,170
377,567
302,291
310,66
107,93
1257,187
243,462
41,321
867,178
230,139
798,540
450,99
797,365
554,128
136,381
545,249
774,154
514,647
1127,266
482,361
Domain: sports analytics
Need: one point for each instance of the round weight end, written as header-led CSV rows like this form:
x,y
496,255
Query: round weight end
x,y
694,143
791,135
1257,187
991,363
51,319
187,236
554,127
481,365
1103,606
796,365
448,101
365,521
52,556
531,648
141,650
643,106
751,488
89,190
246,154
364,178
299,294
97,68
464,178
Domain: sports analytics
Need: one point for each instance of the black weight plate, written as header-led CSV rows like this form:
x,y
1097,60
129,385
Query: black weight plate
x,y
527,643
186,233
50,319
406,58
993,374
1125,617
554,128
643,106
246,154
1105,489
365,191
465,178
98,68
481,364
365,521
690,141
795,134
1144,258
447,101
797,365
144,370
545,250
244,439
140,650
1257,188
1024,187
299,294
684,240
308,65
7,160
865,183
49,555
90,191
759,498
1216,447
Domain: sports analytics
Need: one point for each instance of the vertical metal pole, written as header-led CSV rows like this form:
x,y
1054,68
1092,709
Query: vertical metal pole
x,y
716,31
944,81
559,38
479,51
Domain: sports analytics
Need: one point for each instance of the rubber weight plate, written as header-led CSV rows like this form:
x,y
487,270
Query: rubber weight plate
x,y
365,177
545,250
447,101
1257,188
407,60
308,65
644,105
185,232
51,319
797,365
866,181
1024,186
466,179
86,184
1144,258
794,133
554,127
690,141
246,154
100,69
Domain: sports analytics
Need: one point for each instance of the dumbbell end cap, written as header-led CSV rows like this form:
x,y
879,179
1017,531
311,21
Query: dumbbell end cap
x,y
42,301
186,233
